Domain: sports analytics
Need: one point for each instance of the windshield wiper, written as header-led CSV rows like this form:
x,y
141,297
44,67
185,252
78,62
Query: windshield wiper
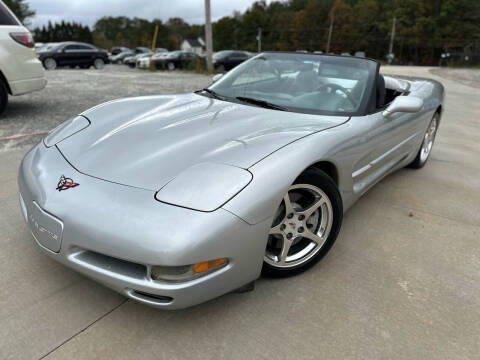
x,y
262,103
211,92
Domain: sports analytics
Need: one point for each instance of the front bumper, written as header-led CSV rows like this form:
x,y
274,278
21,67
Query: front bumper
x,y
114,233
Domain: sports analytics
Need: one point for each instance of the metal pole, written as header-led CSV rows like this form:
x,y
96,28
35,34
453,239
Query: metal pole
x,y
208,35
330,32
390,48
259,40
151,65
154,41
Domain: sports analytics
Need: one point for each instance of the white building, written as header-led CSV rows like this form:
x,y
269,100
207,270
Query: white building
x,y
196,46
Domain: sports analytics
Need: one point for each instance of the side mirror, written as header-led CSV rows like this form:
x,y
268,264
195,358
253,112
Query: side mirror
x,y
217,77
408,104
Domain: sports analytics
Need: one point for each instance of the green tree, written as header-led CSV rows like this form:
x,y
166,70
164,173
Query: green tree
x,y
21,10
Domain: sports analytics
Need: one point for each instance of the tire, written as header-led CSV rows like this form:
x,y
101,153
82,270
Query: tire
x,y
221,69
50,64
306,232
99,64
171,66
131,66
3,97
427,144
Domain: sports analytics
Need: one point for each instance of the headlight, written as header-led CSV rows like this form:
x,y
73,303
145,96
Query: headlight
x,y
65,130
188,272
205,187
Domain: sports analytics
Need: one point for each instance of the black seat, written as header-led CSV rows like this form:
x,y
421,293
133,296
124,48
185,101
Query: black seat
x,y
380,91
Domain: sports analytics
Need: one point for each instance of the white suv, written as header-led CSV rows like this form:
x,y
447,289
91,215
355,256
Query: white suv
x,y
20,70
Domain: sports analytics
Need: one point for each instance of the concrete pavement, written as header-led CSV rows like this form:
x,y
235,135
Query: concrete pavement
x,y
401,282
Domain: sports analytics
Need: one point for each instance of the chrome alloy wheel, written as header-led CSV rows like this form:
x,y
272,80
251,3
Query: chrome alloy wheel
x,y
50,64
99,64
428,140
301,226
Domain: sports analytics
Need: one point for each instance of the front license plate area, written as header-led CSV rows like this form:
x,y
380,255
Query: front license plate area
x,y
46,229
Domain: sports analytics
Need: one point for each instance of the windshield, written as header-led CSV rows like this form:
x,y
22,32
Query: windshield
x,y
309,83
222,54
173,54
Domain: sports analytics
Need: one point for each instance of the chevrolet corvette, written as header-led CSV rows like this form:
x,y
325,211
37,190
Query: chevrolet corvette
x,y
174,200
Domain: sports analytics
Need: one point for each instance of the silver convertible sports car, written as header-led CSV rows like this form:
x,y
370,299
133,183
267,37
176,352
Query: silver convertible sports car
x,y
177,199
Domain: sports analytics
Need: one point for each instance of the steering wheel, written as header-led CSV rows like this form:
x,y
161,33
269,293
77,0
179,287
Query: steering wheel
x,y
336,87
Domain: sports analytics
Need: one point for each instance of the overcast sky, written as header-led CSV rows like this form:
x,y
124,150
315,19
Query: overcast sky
x,y
88,11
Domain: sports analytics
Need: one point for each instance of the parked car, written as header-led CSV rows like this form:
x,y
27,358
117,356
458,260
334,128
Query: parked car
x,y
46,47
360,54
144,62
227,59
131,61
73,54
175,60
142,50
119,49
252,174
118,59
20,70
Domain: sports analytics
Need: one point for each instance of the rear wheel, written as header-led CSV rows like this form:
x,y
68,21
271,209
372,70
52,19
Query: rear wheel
x,y
99,64
171,66
305,225
3,97
427,144
50,64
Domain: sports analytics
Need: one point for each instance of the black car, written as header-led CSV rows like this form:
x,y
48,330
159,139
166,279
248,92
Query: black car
x,y
73,54
227,59
175,60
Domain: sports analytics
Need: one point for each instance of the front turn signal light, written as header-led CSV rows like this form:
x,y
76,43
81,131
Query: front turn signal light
x,y
187,272
209,265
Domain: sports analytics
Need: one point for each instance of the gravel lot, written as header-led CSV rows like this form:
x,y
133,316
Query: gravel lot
x,y
401,282
71,92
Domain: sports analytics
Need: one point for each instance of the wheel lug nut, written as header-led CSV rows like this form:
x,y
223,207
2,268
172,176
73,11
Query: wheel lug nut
x,y
282,227
301,217
301,229
290,216
289,235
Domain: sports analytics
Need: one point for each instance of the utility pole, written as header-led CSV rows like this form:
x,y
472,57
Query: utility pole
x,y
331,14
332,18
259,40
208,35
392,37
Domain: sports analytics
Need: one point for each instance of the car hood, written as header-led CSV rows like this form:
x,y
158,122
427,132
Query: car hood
x,y
145,142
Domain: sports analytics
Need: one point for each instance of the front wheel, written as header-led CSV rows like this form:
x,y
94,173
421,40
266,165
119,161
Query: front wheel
x,y
99,64
171,66
50,64
427,144
305,225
